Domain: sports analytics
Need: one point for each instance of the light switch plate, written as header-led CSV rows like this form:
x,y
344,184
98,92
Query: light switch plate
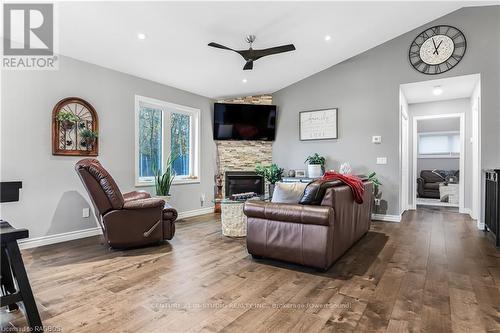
x,y
381,160
377,139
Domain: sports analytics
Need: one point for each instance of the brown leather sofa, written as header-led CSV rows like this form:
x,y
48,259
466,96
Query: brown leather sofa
x,y
310,235
127,220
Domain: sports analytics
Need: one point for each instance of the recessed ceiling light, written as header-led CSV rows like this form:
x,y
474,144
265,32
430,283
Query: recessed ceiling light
x,y
328,37
244,80
437,90
141,36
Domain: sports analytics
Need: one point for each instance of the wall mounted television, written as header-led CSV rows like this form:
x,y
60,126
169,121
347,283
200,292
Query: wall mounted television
x,y
244,122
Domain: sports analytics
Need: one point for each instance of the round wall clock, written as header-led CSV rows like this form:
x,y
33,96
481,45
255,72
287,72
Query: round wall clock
x,y
437,49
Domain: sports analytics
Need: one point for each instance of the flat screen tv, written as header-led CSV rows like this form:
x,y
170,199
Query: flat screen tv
x,y
244,122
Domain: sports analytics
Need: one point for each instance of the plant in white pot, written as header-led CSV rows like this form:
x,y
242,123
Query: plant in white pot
x,y
163,181
315,165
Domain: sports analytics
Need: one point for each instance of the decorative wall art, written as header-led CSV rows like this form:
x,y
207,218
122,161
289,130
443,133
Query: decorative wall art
x,y
318,124
75,128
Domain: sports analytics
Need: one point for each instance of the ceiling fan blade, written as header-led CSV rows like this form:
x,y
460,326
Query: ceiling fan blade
x,y
273,50
248,65
219,46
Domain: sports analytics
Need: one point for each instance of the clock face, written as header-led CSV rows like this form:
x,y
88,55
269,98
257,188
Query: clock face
x,y
437,49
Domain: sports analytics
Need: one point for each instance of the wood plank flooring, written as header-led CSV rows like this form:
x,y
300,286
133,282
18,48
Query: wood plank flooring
x,y
433,272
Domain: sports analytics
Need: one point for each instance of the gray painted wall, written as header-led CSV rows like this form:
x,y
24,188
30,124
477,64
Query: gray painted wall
x,y
365,88
437,163
438,125
52,196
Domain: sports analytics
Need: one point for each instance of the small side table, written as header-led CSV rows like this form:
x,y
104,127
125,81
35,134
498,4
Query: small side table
x,y
451,190
233,219
12,268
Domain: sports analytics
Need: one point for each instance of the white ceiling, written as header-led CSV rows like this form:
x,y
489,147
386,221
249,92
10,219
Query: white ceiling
x,y
453,87
175,51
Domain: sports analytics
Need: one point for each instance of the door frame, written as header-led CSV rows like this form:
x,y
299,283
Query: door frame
x,y
404,198
414,144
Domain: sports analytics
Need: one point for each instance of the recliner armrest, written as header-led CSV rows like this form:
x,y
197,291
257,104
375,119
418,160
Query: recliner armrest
x,y
136,195
144,203
295,213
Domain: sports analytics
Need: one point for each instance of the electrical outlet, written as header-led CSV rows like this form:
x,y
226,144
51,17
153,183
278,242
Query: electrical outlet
x,y
376,139
377,202
202,198
86,212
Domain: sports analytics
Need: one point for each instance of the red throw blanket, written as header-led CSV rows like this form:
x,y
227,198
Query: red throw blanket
x,y
352,181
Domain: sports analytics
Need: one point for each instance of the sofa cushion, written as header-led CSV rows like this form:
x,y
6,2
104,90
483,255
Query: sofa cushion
x,y
431,186
431,176
288,192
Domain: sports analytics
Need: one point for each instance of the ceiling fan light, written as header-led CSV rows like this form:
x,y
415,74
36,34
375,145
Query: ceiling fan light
x,y
244,80
141,36
328,37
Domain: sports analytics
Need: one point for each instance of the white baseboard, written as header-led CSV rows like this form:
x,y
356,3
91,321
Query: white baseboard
x,y
386,218
58,238
195,212
480,225
466,211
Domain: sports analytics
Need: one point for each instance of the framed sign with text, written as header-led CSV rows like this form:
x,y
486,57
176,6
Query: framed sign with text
x,y
318,124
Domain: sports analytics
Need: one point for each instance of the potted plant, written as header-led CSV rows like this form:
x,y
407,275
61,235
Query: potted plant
x,y
315,165
89,137
67,119
163,181
376,185
272,173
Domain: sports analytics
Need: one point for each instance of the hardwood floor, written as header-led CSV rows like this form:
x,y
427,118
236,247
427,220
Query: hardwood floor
x,y
433,272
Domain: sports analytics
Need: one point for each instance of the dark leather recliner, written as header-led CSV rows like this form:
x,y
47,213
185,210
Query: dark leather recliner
x,y
127,220
428,184
310,235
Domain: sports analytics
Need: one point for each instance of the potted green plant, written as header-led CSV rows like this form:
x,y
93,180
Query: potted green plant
x,y
89,137
272,173
377,194
163,181
67,119
315,165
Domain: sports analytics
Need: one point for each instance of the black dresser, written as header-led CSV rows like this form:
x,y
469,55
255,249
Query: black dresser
x,y
492,204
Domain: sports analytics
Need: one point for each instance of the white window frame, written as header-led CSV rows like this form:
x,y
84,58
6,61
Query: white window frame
x,y
194,141
437,155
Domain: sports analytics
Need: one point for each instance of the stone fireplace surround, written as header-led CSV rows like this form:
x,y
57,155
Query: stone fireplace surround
x,y
244,155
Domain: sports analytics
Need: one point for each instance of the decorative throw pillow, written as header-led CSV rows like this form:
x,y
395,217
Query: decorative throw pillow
x,y
288,192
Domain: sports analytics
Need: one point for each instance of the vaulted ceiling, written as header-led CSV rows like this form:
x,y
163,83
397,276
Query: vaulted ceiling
x,y
175,50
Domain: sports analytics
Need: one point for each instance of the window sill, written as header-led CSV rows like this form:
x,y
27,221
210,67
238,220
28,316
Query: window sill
x,y
175,182
438,156
186,181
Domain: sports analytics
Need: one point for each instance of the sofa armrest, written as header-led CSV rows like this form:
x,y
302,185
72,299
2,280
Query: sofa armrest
x,y
420,186
294,213
135,195
144,203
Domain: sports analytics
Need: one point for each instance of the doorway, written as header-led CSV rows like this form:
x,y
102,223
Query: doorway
x,y
440,144
438,160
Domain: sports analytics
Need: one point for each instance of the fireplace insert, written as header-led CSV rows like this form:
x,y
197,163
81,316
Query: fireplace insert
x,y
243,181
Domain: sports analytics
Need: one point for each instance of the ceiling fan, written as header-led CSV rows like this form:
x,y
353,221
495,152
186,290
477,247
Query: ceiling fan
x,y
251,55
